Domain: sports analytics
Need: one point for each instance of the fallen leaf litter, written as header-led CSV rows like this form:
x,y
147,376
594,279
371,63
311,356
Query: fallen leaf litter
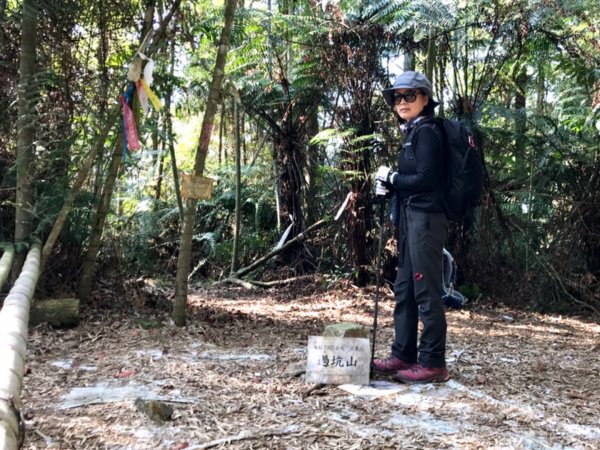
x,y
234,379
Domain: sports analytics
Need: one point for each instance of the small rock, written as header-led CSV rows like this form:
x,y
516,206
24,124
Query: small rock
x,y
349,330
157,411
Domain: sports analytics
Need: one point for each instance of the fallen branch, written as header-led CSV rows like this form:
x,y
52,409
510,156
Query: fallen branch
x,y
245,270
251,284
240,282
245,435
559,285
270,284
312,389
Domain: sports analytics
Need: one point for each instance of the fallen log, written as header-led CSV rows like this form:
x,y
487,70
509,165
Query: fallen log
x,y
58,312
245,284
14,320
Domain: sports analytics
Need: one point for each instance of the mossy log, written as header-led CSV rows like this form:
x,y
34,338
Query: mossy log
x,y
14,320
58,312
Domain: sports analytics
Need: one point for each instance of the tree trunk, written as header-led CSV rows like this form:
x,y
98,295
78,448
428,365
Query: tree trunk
x,y
14,319
89,263
521,80
221,131
149,7
276,188
360,217
288,157
169,134
161,171
173,158
185,246
521,149
25,129
408,61
238,187
312,161
242,133
431,56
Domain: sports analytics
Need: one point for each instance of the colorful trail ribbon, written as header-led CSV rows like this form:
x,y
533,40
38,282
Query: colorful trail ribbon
x,y
133,141
151,95
143,96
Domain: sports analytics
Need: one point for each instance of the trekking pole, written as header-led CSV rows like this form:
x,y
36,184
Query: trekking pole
x,y
379,198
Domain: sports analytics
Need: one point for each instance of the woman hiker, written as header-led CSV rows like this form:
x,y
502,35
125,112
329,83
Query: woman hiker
x,y
416,186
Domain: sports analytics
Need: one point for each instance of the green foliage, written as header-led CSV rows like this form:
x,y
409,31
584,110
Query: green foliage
x,y
331,134
215,221
472,291
266,215
148,239
76,230
524,74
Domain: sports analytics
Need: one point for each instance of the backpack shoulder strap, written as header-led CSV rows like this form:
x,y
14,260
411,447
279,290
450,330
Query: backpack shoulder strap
x,y
439,124
436,123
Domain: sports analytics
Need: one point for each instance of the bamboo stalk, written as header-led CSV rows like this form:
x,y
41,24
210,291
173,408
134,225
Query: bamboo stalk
x,y
5,264
14,319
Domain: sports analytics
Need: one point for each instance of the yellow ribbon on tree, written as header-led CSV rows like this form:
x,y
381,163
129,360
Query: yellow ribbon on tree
x,y
151,95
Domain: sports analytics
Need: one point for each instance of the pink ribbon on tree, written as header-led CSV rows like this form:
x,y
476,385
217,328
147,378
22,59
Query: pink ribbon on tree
x,y
133,141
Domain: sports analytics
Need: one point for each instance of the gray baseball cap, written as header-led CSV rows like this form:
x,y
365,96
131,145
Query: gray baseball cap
x,y
409,80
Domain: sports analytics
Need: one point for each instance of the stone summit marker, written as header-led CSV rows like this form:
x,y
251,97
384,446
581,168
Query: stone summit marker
x,y
338,360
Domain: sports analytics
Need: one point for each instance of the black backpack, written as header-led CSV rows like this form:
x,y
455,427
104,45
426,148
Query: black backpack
x,y
464,171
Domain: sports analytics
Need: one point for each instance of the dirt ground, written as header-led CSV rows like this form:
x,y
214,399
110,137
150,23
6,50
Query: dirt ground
x,y
233,378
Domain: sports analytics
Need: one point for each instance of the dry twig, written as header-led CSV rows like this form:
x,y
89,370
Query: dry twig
x,y
245,435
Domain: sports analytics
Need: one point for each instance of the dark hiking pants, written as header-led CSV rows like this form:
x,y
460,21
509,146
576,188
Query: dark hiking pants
x,y
418,288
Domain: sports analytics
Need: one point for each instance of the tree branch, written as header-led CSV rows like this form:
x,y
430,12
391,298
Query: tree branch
x,y
245,270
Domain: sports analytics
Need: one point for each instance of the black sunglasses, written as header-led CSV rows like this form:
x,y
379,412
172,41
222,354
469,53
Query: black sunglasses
x,y
409,96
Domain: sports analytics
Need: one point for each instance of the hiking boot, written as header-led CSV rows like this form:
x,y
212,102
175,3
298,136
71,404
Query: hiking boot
x,y
418,373
391,364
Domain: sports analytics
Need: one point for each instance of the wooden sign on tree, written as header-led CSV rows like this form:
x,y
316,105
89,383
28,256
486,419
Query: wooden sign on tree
x,y
197,187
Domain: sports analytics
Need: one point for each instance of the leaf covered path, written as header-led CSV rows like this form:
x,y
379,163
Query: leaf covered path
x,y
234,379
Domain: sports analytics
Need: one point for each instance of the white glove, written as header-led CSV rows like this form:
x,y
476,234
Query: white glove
x,y
380,189
385,175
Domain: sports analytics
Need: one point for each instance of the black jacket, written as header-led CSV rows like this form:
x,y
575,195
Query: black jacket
x,y
420,180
